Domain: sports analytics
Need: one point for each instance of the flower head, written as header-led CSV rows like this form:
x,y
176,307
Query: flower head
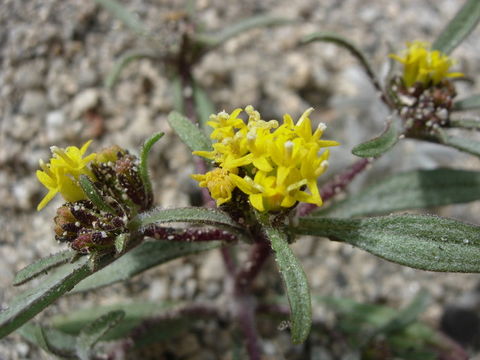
x,y
276,166
422,65
61,174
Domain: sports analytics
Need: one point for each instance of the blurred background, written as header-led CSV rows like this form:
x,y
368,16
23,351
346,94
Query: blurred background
x,y
55,56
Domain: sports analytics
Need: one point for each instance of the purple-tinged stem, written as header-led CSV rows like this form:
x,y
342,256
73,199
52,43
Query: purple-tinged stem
x,y
246,319
258,254
189,235
335,186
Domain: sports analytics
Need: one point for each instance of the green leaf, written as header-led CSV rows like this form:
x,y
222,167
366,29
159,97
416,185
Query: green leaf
x,y
29,303
189,133
465,123
143,257
135,313
219,37
94,195
295,280
409,190
204,107
470,103
467,145
191,215
143,169
421,242
121,242
50,340
126,17
381,144
348,45
463,23
124,60
41,266
177,92
404,317
92,333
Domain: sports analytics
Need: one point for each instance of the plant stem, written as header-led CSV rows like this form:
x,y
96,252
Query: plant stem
x,y
338,184
244,301
189,235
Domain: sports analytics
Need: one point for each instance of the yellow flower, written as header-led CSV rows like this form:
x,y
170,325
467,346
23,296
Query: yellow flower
x,y
420,64
62,173
218,183
274,165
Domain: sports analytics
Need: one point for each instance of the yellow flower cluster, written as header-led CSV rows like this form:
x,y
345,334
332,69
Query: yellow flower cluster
x,y
420,64
61,174
273,164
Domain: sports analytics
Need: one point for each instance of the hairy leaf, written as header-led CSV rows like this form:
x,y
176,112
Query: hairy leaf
x,y
296,283
462,24
28,304
409,190
143,257
42,265
190,215
92,332
189,133
419,241
467,145
470,103
381,144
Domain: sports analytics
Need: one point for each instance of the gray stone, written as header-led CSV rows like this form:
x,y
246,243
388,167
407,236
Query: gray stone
x,y
34,102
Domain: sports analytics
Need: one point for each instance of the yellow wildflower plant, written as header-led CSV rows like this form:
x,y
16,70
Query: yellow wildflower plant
x,y
61,174
276,166
425,66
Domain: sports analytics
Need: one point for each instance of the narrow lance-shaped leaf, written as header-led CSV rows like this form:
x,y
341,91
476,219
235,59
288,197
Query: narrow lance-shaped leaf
x,y
50,340
192,214
466,145
409,190
136,312
124,60
470,103
219,37
465,123
421,242
351,47
92,333
143,170
204,107
177,93
189,133
41,266
125,16
28,304
141,258
381,144
94,195
462,24
295,281
404,317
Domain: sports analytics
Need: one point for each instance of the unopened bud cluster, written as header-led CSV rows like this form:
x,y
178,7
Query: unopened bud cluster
x,y
114,175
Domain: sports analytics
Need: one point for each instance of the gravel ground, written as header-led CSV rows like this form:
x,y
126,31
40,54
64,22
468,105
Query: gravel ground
x,y
54,57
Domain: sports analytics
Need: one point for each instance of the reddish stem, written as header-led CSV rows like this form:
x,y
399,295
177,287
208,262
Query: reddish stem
x,y
338,184
189,235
